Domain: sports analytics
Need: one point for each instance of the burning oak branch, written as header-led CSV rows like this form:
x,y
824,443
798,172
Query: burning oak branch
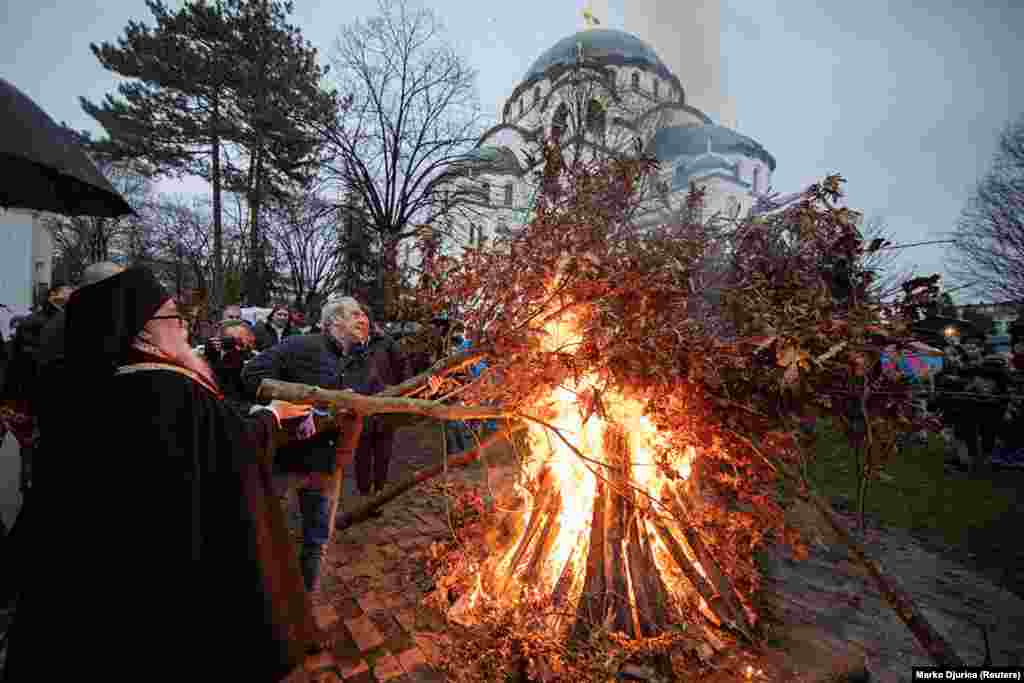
x,y
658,424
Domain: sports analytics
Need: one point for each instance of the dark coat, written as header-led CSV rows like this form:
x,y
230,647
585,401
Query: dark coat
x,y
267,336
197,547
318,360
22,368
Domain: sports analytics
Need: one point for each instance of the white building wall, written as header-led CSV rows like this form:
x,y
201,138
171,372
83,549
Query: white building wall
x,y
17,258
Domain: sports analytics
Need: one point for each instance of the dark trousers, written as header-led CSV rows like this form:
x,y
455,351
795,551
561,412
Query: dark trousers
x,y
315,492
372,468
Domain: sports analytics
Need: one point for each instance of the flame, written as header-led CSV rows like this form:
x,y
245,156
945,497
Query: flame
x,y
554,466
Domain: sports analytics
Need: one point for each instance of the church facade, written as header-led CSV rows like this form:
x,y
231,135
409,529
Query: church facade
x,y
607,91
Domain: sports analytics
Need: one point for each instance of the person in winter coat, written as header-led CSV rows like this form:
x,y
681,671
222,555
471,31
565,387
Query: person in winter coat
x,y
344,356
209,558
275,329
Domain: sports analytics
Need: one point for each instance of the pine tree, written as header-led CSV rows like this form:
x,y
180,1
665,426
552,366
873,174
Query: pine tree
x,y
213,75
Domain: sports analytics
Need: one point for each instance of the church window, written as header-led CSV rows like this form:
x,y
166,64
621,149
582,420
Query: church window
x,y
635,81
656,84
595,119
559,122
536,96
757,179
485,189
508,105
521,105
508,194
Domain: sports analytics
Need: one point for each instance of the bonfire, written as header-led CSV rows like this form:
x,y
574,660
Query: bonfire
x,y
661,413
601,529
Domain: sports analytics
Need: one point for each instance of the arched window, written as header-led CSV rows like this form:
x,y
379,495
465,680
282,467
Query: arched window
x,y
536,95
521,105
559,122
757,179
504,114
508,194
635,81
485,189
595,119
656,88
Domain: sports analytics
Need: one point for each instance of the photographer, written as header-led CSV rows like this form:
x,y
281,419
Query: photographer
x,y
227,353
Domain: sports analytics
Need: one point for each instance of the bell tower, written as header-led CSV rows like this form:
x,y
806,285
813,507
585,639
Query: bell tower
x,y
686,34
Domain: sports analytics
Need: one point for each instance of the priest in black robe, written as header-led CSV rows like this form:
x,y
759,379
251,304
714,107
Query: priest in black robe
x,y
160,550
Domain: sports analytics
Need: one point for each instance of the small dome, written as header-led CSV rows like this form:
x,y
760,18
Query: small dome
x,y
494,159
603,44
705,165
675,141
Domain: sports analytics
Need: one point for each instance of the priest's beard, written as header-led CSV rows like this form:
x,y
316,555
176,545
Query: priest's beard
x,y
172,346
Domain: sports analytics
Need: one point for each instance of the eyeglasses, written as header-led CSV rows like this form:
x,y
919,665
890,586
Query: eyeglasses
x,y
179,318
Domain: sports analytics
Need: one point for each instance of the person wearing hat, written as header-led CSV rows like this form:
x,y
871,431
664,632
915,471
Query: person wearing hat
x,y
179,547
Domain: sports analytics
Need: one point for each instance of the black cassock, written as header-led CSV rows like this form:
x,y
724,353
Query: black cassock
x,y
158,546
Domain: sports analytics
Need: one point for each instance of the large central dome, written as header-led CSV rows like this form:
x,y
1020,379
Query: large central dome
x,y
605,44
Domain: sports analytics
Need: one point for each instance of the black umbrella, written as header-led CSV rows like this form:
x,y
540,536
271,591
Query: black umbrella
x,y
44,168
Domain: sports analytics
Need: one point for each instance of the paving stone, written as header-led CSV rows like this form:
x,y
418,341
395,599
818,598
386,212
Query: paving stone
x,y
365,633
372,602
412,542
349,669
392,551
345,648
387,668
406,618
431,645
361,677
348,608
396,639
412,659
325,616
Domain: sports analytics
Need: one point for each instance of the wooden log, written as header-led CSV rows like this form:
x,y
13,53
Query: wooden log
x,y
651,597
530,574
538,519
367,510
590,608
722,585
700,585
618,600
308,394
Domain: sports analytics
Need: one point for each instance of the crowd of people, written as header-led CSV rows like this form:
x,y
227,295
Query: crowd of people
x,y
143,429
978,396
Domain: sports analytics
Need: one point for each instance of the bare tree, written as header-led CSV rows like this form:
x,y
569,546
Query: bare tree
x,y
181,239
82,240
412,110
305,235
988,248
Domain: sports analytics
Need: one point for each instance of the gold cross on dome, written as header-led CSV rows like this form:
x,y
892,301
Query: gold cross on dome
x,y
589,19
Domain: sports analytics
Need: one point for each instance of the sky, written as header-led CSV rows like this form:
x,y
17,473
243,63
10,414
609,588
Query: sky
x,y
904,99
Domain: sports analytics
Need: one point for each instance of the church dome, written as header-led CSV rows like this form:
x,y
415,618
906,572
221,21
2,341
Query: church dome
x,y
493,159
607,45
676,141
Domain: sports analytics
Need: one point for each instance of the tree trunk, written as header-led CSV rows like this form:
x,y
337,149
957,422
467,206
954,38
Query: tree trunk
x,y
255,287
390,277
217,288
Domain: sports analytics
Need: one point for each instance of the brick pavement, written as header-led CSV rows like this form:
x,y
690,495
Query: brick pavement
x,y
374,578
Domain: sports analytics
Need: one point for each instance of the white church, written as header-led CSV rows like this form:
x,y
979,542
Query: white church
x,y
655,82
